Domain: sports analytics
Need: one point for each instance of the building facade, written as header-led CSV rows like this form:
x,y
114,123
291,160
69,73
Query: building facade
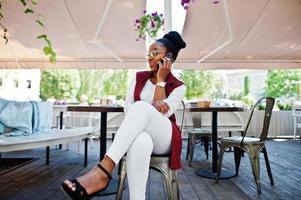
x,y
20,84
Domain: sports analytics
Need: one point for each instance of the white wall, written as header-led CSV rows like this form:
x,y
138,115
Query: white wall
x,y
8,89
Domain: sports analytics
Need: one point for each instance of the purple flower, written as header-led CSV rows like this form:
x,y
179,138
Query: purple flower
x,y
183,2
152,24
154,14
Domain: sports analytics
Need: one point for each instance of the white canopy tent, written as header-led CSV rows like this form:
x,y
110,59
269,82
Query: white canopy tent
x,y
249,34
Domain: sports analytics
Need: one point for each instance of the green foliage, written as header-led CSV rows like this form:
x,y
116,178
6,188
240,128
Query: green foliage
x,y
116,84
28,9
236,96
40,23
217,90
248,99
70,84
149,24
286,106
282,83
90,84
58,84
285,103
246,85
2,26
198,83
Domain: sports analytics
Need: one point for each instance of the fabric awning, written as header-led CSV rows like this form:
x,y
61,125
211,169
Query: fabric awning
x,y
258,34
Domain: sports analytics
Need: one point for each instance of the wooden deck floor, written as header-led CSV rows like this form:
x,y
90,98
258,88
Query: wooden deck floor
x,y
38,181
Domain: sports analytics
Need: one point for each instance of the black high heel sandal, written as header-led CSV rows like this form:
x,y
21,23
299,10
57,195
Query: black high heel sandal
x,y
80,192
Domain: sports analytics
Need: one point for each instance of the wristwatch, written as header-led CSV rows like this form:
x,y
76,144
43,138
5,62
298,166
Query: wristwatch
x,y
161,84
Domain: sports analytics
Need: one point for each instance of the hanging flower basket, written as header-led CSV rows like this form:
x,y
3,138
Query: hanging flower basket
x,y
148,24
185,3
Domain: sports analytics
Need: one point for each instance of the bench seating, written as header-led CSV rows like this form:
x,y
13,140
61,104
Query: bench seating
x,y
59,136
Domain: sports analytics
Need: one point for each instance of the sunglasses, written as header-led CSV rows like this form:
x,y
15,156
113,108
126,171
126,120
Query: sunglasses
x,y
153,54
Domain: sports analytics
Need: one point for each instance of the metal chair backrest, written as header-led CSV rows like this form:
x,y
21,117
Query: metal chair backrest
x,y
269,104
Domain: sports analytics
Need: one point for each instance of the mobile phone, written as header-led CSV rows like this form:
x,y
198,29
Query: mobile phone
x,y
168,55
161,61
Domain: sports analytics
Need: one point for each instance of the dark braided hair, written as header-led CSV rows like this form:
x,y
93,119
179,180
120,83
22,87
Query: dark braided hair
x,y
173,43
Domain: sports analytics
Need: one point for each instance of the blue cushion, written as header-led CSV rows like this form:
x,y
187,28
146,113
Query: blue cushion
x,y
2,127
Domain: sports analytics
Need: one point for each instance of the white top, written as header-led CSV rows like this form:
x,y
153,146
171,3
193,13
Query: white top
x,y
147,95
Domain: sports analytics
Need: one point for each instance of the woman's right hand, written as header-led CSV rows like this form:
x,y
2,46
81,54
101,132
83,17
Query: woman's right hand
x,y
161,106
164,69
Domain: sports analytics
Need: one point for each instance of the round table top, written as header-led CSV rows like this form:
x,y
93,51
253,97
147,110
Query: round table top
x,y
215,109
96,108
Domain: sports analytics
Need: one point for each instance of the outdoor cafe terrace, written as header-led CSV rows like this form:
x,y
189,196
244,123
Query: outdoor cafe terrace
x,y
36,180
87,41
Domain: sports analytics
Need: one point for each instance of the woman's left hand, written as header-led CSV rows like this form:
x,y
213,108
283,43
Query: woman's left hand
x,y
161,106
164,69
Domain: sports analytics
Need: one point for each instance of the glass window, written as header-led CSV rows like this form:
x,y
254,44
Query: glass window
x,y
28,84
16,83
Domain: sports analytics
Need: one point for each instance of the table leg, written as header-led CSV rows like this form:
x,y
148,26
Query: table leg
x,y
61,125
61,119
86,153
214,142
47,155
211,173
103,135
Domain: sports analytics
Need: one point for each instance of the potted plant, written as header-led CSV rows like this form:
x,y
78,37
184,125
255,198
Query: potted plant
x,y
149,24
185,3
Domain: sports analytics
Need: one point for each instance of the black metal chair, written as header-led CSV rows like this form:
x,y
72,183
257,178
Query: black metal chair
x,y
252,146
202,134
159,163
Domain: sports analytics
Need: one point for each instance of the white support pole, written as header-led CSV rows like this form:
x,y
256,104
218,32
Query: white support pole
x,y
167,16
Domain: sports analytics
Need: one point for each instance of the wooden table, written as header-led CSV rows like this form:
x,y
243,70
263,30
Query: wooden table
x,y
103,109
211,173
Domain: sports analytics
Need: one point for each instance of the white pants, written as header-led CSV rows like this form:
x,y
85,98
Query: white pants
x,y
143,131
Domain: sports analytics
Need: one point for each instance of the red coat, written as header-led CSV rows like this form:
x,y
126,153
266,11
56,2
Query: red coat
x,y
171,84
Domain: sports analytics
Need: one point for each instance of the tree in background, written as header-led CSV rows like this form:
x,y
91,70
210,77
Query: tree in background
x,y
58,84
283,83
198,83
218,88
116,84
246,85
71,84
90,84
